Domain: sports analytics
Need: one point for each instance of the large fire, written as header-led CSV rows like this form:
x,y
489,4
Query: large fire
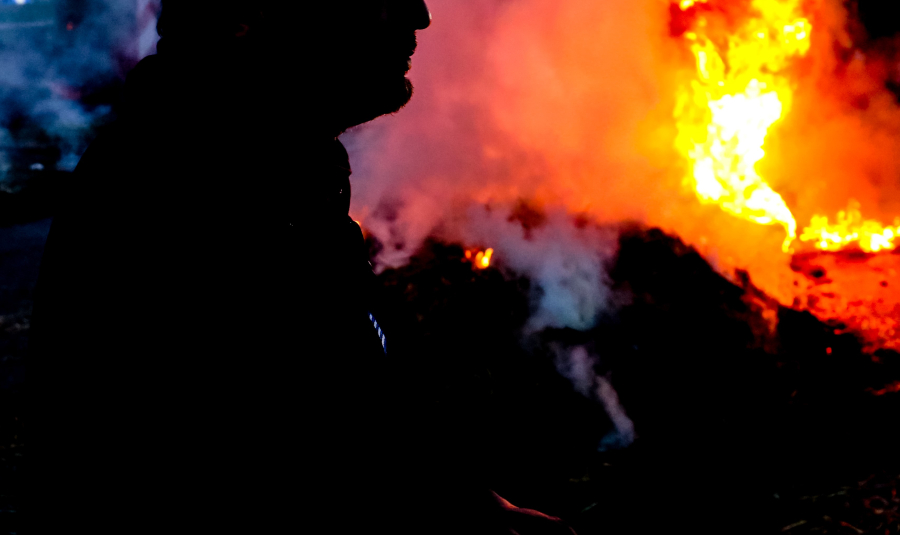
x,y
746,56
773,113
723,118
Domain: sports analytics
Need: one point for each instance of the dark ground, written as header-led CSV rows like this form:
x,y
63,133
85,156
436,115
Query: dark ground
x,y
738,430
20,252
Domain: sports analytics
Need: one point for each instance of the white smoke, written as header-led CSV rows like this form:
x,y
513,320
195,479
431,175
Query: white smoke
x,y
449,166
577,364
51,51
565,263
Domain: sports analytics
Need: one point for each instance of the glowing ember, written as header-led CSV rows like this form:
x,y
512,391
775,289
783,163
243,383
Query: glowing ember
x,y
724,116
870,235
481,259
892,388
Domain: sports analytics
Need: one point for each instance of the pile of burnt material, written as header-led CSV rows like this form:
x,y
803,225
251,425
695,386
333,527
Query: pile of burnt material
x,y
734,418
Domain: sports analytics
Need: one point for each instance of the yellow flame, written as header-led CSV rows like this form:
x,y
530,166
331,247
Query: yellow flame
x,y
483,259
870,235
687,4
723,119
724,116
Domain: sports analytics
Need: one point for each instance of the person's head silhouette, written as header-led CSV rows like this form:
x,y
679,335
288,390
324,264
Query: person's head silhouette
x,y
347,59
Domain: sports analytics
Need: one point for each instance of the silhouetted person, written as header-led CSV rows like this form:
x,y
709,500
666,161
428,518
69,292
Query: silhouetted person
x,y
204,356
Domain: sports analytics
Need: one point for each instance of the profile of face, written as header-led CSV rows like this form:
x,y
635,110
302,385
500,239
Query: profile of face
x,y
356,55
350,57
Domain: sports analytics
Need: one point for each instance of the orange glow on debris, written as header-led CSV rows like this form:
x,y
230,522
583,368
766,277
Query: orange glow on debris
x,y
892,388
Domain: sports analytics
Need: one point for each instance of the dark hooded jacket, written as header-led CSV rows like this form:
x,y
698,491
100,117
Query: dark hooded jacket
x,y
202,344
204,358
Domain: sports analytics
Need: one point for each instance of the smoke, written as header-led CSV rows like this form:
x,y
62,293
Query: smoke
x,y
522,103
567,105
60,62
578,365
524,99
565,260
536,126
524,135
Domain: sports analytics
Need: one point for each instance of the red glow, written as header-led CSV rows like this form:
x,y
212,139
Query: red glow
x,y
890,389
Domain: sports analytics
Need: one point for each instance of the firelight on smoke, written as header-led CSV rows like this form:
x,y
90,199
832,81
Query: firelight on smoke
x,y
562,115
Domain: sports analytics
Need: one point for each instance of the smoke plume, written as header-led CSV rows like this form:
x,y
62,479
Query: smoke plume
x,y
564,107
59,63
578,365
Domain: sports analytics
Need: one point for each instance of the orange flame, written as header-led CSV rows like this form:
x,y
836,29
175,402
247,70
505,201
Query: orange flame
x,y
686,4
725,115
482,259
739,93
870,235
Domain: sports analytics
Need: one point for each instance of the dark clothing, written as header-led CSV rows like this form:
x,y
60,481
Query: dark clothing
x,y
203,358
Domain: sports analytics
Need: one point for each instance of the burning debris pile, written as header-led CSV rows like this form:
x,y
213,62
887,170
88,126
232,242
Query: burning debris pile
x,y
710,362
776,115
687,399
611,350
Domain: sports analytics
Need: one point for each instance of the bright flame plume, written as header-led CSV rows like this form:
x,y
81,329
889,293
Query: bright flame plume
x,y
724,116
739,93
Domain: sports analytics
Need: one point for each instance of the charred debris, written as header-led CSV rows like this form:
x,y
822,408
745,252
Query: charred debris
x,y
742,423
749,416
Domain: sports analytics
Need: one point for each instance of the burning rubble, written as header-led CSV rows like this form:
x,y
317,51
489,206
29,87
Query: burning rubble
x,y
776,115
697,202
593,220
719,412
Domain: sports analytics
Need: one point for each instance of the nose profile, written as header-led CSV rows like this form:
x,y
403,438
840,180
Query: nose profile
x,y
423,15
416,14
